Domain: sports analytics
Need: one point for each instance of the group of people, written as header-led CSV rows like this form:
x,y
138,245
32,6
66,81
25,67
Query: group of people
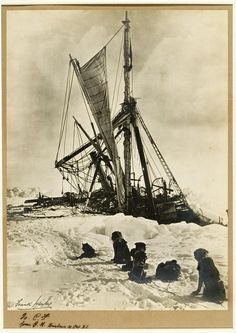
x,y
134,262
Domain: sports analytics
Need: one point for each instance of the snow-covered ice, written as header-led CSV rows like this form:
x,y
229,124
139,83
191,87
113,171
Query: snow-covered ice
x,y
40,262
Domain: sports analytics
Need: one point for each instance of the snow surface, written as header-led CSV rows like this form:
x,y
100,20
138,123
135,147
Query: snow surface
x,y
41,262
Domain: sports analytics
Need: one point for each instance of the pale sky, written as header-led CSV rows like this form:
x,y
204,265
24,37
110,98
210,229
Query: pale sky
x,y
180,63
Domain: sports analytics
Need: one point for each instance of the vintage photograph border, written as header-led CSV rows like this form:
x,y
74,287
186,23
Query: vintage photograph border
x,y
124,319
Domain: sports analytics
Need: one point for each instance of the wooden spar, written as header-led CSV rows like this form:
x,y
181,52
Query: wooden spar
x,y
126,127
94,132
104,181
129,103
103,178
145,171
116,122
93,142
126,58
93,182
79,150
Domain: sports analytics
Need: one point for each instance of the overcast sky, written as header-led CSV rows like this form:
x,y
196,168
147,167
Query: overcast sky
x,y
180,65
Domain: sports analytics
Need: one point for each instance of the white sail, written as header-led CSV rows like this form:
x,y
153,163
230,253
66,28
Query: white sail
x,y
93,79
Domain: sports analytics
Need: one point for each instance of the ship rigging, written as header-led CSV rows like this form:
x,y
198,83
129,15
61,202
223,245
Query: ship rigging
x,y
100,166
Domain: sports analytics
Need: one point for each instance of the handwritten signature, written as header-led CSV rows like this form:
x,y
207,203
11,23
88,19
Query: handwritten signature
x,y
44,320
38,304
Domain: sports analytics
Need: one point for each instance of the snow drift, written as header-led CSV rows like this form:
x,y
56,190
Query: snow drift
x,y
41,253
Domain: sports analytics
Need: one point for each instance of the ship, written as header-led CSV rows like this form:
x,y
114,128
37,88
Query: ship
x,y
111,165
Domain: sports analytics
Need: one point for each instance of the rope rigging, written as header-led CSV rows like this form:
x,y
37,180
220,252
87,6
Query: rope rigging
x,y
81,142
150,155
73,143
67,108
161,159
116,77
132,76
149,165
114,35
64,108
117,96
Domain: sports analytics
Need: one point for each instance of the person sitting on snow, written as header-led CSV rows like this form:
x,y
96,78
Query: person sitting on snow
x,y
137,272
209,277
121,250
89,252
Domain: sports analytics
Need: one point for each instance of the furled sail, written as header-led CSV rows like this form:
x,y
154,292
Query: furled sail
x,y
93,79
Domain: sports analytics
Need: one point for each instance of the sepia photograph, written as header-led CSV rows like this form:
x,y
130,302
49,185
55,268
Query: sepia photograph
x,y
117,165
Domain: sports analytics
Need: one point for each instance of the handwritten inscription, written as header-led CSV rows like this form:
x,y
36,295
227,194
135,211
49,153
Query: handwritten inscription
x,y
44,320
39,303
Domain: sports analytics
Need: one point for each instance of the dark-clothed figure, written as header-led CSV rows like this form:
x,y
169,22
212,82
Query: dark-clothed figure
x,y
209,277
89,252
121,250
137,272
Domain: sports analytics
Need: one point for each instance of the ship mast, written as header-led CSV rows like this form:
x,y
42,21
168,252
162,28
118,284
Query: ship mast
x,y
126,58
130,106
126,106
